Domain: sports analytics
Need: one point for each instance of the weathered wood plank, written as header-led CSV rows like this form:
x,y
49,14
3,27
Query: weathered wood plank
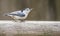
x,y
11,28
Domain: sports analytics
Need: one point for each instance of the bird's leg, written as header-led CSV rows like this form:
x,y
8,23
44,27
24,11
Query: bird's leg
x,y
14,19
22,20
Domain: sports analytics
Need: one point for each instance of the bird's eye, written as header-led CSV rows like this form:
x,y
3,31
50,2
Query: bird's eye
x,y
27,9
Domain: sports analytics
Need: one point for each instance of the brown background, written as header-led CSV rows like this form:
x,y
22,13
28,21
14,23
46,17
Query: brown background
x,y
43,9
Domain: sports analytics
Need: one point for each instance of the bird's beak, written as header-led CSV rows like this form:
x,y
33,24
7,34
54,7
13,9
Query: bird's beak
x,y
31,8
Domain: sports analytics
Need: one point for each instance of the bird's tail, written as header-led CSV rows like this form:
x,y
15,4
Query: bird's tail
x,y
5,14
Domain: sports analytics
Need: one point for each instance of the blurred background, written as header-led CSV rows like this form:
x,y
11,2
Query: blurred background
x,y
44,10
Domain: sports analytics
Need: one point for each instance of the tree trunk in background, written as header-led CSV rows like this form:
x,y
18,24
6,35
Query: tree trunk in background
x,y
58,9
41,8
52,9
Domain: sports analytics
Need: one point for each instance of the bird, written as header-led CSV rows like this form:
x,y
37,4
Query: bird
x,y
19,15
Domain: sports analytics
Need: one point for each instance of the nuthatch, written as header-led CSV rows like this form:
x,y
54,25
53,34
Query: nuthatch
x,y
19,15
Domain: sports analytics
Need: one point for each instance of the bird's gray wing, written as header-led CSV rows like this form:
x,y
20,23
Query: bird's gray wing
x,y
21,14
18,14
15,12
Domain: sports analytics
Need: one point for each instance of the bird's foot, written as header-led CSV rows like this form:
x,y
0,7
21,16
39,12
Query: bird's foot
x,y
22,21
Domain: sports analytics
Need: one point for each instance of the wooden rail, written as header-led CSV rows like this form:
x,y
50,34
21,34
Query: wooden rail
x,y
34,28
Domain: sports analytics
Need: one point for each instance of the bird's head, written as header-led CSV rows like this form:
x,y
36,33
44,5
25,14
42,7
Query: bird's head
x,y
27,10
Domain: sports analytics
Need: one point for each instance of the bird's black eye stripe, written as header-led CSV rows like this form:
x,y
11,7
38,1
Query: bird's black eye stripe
x,y
23,9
